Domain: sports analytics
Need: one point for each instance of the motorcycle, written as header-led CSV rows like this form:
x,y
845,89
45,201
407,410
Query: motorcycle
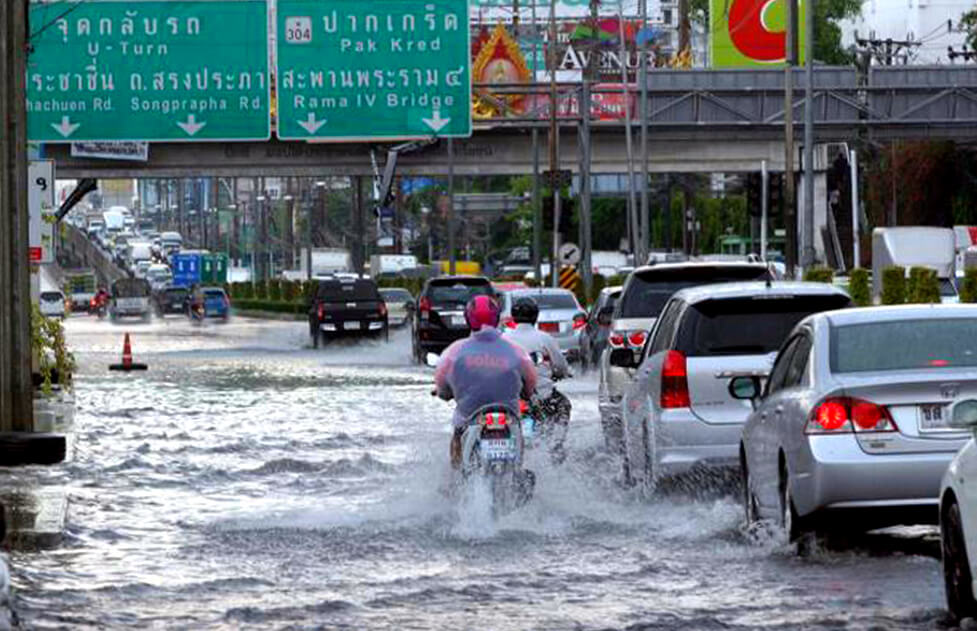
x,y
98,307
196,313
538,429
492,451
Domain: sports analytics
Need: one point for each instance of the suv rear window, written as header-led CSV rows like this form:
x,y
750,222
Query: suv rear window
x,y
930,343
339,291
50,296
747,326
458,291
177,292
648,291
550,301
131,288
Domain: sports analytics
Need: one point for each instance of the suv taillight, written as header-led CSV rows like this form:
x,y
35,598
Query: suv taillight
x,y
508,322
675,382
424,306
382,309
847,414
322,311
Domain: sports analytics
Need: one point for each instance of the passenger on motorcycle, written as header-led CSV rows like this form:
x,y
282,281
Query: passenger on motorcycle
x,y
552,406
100,301
195,302
483,369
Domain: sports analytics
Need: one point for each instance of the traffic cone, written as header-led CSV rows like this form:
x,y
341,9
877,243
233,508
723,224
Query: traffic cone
x,y
127,364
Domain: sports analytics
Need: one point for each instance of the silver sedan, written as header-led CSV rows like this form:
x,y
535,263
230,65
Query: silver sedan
x,y
851,429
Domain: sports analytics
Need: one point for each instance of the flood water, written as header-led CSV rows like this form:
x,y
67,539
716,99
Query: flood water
x,y
248,481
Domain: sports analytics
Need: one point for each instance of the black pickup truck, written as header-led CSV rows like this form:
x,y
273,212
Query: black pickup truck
x,y
343,307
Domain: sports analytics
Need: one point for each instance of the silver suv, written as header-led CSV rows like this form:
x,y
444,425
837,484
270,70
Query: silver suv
x,y
678,412
645,292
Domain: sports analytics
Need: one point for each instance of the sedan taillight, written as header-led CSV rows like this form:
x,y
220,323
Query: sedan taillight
x,y
847,414
579,321
616,340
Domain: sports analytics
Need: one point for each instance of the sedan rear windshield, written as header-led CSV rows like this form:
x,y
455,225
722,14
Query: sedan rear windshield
x,y
51,296
747,326
648,291
551,301
458,292
904,345
336,291
396,295
176,292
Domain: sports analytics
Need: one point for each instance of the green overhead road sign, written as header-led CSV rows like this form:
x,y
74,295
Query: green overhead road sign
x,y
180,70
373,70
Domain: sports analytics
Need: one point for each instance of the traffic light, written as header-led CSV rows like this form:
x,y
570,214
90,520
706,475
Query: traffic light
x,y
754,194
776,192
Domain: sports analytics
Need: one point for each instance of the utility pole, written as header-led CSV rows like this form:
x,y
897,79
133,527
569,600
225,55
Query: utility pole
x,y
790,201
632,199
537,210
644,240
807,250
586,155
554,156
452,256
16,397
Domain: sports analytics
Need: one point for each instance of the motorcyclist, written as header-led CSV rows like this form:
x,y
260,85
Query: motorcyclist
x,y
552,406
101,299
195,302
483,369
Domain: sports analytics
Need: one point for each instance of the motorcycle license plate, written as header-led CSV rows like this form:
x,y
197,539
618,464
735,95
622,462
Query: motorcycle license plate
x,y
499,449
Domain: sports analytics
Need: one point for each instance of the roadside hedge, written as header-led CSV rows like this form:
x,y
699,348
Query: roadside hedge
x,y
923,286
858,287
968,290
296,308
894,285
819,275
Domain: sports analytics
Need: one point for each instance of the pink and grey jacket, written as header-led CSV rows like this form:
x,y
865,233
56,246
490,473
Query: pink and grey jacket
x,y
484,369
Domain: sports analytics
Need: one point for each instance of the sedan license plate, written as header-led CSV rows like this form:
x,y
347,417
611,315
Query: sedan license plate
x,y
499,449
933,418
352,326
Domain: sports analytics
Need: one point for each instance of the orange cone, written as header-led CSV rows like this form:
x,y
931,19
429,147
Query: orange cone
x,y
127,363
127,354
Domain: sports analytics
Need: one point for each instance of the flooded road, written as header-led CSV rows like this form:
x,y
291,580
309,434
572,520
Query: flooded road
x,y
247,481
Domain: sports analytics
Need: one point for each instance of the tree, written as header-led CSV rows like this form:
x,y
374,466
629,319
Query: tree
x,y
968,23
827,34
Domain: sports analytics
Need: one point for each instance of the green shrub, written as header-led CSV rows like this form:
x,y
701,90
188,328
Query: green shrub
x,y
271,307
819,275
923,287
598,285
968,291
290,291
275,290
894,285
858,287
261,290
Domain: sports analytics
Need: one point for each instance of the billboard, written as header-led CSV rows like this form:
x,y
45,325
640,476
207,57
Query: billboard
x,y
750,33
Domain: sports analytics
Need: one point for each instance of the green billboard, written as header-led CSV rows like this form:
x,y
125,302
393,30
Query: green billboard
x,y
750,33
153,70
383,69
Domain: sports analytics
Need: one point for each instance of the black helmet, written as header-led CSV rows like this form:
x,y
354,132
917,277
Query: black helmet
x,y
525,311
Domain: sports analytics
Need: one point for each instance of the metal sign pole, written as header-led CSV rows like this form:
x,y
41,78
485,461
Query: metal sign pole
x,y
764,208
856,251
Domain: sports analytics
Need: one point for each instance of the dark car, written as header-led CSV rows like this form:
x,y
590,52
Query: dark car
x,y
441,312
346,307
171,300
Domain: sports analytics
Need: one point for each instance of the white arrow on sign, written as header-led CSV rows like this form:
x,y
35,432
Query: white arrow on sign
x,y
436,123
66,128
191,126
312,125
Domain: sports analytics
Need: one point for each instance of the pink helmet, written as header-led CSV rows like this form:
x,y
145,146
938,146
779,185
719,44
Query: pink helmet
x,y
482,311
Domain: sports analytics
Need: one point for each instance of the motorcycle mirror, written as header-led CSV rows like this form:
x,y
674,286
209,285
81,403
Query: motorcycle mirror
x,y
431,359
